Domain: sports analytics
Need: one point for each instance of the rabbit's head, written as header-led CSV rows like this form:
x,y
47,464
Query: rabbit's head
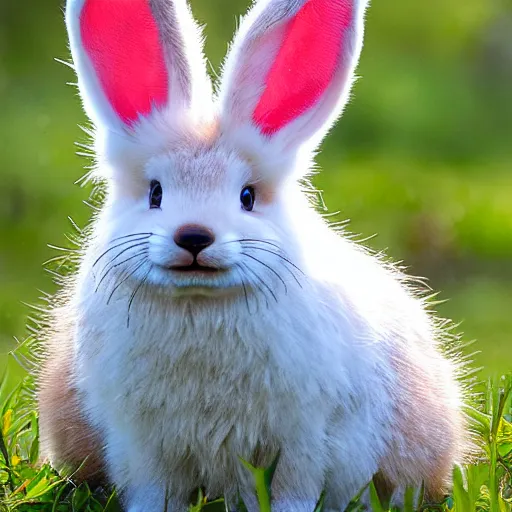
x,y
203,188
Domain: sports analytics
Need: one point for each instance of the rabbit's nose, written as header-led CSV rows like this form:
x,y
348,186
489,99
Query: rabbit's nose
x,y
193,238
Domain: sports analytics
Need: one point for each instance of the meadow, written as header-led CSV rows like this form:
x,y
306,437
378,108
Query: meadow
x,y
421,158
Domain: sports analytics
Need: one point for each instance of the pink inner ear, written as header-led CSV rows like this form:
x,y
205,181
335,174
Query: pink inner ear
x,y
305,64
122,41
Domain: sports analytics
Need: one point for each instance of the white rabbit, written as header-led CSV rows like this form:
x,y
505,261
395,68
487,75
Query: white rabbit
x,y
215,315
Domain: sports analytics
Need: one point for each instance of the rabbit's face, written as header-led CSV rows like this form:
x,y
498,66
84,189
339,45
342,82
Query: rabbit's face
x,y
199,220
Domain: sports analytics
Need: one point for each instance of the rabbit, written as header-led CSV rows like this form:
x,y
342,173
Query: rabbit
x,y
216,315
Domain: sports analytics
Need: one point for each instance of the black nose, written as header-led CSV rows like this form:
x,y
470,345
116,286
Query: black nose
x,y
193,238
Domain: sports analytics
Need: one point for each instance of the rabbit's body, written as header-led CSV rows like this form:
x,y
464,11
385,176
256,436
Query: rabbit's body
x,y
201,381
279,335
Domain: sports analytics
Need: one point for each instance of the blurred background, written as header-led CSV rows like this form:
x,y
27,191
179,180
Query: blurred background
x,y
422,156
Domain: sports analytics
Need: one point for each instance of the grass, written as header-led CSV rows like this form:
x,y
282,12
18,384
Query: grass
x,y
483,486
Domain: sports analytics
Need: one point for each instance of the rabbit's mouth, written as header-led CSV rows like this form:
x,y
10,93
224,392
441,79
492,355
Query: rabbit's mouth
x,y
197,279
194,267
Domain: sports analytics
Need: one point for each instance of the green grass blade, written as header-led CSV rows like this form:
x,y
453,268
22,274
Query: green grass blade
x,y
320,504
374,499
460,495
409,499
260,483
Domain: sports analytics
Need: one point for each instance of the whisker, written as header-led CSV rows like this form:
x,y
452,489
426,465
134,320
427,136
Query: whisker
x,y
259,277
139,253
134,293
128,236
119,245
137,266
269,267
123,251
284,259
260,289
244,287
252,243
278,255
255,240
255,285
136,234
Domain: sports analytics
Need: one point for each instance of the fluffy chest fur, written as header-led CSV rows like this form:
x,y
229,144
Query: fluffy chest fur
x,y
200,383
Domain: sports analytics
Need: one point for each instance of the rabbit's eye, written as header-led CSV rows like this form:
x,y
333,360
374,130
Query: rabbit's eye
x,y
247,197
155,194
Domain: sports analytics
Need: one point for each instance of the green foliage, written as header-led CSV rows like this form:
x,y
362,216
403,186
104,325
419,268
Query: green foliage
x,y
485,485
262,482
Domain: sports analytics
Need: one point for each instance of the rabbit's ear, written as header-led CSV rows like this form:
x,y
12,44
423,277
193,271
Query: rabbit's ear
x,y
133,56
290,68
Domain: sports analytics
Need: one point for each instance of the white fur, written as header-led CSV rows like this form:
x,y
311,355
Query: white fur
x,y
202,370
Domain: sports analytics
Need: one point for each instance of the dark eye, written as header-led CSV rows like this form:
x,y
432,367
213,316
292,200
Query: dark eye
x,y
247,197
155,194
